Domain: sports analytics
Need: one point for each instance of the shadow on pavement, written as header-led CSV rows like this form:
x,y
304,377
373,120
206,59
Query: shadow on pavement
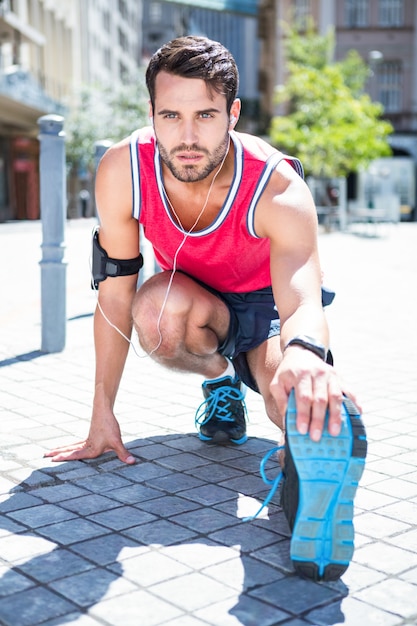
x,y
144,544
27,356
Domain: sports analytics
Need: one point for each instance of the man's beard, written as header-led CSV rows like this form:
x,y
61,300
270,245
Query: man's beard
x,y
191,173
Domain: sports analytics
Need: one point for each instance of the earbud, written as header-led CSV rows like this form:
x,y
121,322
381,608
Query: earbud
x,y
232,119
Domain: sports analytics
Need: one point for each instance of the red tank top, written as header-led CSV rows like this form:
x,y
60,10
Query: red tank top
x,y
227,255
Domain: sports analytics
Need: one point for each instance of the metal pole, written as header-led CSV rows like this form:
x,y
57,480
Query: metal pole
x,y
342,204
100,147
53,210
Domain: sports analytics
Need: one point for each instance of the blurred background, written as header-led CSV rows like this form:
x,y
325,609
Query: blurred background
x,y
333,82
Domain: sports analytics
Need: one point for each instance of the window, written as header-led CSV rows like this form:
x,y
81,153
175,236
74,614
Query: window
x,y
391,13
356,13
389,81
107,58
155,12
123,9
302,12
106,21
123,72
123,40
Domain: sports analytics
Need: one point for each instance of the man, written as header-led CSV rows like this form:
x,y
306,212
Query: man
x,y
234,229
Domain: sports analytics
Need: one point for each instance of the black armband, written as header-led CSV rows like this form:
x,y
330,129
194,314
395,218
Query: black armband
x,y
103,266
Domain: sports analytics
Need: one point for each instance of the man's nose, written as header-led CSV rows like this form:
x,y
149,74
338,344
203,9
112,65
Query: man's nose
x,y
189,132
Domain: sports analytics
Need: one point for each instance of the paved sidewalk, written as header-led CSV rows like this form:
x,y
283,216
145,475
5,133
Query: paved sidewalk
x,y
162,542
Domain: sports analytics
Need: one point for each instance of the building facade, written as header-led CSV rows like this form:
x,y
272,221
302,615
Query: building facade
x,y
384,33
33,82
235,26
48,49
110,43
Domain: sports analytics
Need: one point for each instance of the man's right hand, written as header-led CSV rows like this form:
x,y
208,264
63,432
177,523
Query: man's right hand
x,y
104,436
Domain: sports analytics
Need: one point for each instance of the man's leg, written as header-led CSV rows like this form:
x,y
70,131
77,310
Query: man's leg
x,y
263,362
182,329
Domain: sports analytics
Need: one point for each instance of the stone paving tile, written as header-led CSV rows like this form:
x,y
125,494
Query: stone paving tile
x,y
72,531
55,565
138,607
243,573
32,607
209,495
16,548
150,568
90,504
200,553
192,591
86,588
106,550
162,542
246,611
13,582
43,515
295,595
160,532
167,506
394,596
352,612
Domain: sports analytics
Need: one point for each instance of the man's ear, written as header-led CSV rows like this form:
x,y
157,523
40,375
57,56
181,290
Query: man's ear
x,y
234,113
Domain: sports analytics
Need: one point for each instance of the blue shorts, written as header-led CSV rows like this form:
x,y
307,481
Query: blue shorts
x,y
253,319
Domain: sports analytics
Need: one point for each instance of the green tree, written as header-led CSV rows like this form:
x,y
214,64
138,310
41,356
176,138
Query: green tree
x,y
332,126
103,113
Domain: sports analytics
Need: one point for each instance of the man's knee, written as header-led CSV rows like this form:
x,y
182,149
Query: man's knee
x,y
159,309
160,293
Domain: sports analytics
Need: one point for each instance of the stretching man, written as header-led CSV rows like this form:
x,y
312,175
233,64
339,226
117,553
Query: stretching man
x,y
239,300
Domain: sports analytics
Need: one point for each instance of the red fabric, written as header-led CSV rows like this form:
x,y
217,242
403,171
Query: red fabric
x,y
225,256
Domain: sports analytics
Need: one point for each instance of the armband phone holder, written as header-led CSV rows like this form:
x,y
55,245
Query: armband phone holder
x,y
103,266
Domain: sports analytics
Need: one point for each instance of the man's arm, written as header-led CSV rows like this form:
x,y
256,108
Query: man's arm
x,y
119,236
287,216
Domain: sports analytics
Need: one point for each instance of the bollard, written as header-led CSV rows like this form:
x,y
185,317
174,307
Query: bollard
x,y
53,209
100,147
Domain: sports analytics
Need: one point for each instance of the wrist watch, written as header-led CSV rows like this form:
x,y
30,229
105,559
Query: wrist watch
x,y
309,344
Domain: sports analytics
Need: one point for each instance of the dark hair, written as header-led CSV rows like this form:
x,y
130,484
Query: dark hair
x,y
196,57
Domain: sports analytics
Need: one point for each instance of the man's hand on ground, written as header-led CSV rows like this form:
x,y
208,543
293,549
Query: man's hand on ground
x,y
104,436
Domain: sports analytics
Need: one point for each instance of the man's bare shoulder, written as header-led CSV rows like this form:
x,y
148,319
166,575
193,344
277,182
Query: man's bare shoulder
x,y
286,203
113,186
256,145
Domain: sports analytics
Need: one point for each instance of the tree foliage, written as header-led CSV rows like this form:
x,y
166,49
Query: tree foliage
x,y
103,113
332,126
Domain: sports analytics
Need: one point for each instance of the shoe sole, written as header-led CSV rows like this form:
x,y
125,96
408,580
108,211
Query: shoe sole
x,y
221,438
329,471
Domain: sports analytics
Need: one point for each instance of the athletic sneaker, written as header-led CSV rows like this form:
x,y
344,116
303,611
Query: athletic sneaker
x,y
221,418
318,488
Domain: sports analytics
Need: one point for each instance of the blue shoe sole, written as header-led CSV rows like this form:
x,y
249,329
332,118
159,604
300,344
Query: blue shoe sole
x,y
329,471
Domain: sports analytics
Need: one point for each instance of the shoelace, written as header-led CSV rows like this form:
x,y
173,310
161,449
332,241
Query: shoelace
x,y
268,481
218,405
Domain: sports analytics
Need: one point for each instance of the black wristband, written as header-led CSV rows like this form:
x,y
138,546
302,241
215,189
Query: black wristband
x,y
309,344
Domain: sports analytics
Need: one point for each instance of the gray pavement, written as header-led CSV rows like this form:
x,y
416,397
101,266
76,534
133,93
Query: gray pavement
x,y
162,542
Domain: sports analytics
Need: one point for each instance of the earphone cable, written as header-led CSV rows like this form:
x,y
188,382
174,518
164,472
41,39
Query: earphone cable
x,y
173,271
